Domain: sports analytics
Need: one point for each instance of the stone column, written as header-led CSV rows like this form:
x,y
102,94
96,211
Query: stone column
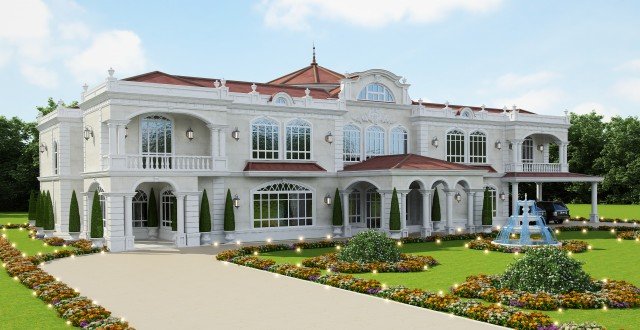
x,y
403,213
594,203
128,223
121,138
427,225
385,206
564,163
180,239
514,198
84,228
470,205
192,219
345,213
114,235
449,228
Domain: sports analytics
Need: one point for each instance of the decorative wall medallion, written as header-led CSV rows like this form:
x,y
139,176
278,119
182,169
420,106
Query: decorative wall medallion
x,y
375,117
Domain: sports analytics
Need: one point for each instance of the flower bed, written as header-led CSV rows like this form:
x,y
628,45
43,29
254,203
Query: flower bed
x,y
54,241
573,246
614,294
78,311
407,263
613,220
629,235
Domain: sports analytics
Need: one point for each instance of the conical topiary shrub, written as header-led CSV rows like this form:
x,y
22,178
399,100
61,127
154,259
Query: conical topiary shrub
x,y
337,219
152,215
50,219
229,216
97,230
174,213
74,214
394,213
547,269
39,209
436,215
205,214
487,208
32,205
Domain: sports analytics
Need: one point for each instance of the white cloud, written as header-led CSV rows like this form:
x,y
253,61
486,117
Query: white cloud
x,y
633,65
74,31
628,89
23,20
586,107
295,14
39,76
121,50
542,101
512,80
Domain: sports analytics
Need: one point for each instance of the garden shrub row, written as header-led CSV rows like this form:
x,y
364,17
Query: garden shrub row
x,y
79,311
614,220
574,246
407,263
629,235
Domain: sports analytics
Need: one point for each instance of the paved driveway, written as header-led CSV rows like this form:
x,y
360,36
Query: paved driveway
x,y
159,287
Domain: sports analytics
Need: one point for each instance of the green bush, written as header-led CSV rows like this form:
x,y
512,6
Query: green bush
x,y
32,205
97,231
152,215
547,269
50,218
39,209
205,214
487,211
74,214
229,216
436,215
337,209
394,213
370,246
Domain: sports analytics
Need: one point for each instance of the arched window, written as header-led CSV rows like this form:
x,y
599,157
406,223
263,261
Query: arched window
x,y
376,92
527,150
373,208
168,208
398,141
157,135
477,147
493,194
55,157
351,143
355,207
282,204
298,140
374,141
455,146
281,100
139,207
264,139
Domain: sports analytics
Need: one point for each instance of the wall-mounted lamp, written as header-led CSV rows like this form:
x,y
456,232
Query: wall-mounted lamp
x,y
458,197
502,196
126,131
87,133
189,134
510,145
236,201
434,141
541,147
43,147
328,200
235,134
329,138
498,145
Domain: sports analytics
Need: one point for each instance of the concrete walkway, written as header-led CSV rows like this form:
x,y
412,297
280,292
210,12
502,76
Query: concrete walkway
x,y
161,287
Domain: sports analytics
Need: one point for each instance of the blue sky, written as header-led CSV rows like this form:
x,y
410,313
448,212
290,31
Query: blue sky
x,y
545,56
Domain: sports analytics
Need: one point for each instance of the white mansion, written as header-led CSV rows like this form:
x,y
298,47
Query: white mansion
x,y
282,148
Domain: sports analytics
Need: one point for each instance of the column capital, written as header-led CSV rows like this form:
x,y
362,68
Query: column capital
x,y
426,191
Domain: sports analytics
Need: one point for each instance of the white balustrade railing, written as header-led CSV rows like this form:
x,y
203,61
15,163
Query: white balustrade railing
x,y
533,167
169,163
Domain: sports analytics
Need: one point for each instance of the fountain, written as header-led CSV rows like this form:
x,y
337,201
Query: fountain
x,y
518,231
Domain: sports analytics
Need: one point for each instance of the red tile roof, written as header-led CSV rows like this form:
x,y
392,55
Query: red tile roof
x,y
488,168
310,75
406,162
283,167
234,85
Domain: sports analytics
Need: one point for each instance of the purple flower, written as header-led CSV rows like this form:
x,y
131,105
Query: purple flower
x,y
83,324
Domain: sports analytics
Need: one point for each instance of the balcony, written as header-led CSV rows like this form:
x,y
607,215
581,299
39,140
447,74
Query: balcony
x,y
169,163
536,167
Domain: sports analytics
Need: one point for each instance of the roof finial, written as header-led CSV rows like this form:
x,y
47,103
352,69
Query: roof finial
x,y
314,54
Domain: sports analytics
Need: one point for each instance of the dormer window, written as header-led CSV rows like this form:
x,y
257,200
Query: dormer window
x,y
280,100
376,92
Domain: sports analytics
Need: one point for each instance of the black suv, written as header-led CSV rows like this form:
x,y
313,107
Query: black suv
x,y
556,211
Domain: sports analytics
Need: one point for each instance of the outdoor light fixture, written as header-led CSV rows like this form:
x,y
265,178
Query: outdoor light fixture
x,y
236,201
434,141
329,138
87,133
458,197
541,147
498,145
327,199
502,196
126,131
43,147
190,134
235,134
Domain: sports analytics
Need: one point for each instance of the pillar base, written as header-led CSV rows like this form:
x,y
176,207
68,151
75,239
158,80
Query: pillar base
x,y
450,229
426,232
193,239
129,243
471,228
180,240
595,218
115,244
63,235
347,231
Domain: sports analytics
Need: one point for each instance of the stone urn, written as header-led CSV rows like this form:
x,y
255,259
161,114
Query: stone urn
x,y
229,235
32,223
153,232
98,242
395,234
48,233
487,228
337,231
75,236
205,238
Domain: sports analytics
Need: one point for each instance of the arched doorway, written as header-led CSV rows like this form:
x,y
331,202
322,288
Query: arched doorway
x,y
153,212
415,207
362,203
439,205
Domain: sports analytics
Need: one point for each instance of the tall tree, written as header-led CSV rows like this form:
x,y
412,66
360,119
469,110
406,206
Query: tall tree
x,y
18,163
205,213
394,213
337,219
74,214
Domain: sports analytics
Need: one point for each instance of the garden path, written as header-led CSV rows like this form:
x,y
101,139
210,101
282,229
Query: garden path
x,y
160,287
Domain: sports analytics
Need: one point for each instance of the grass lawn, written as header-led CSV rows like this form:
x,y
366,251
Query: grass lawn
x,y
608,259
18,308
606,210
